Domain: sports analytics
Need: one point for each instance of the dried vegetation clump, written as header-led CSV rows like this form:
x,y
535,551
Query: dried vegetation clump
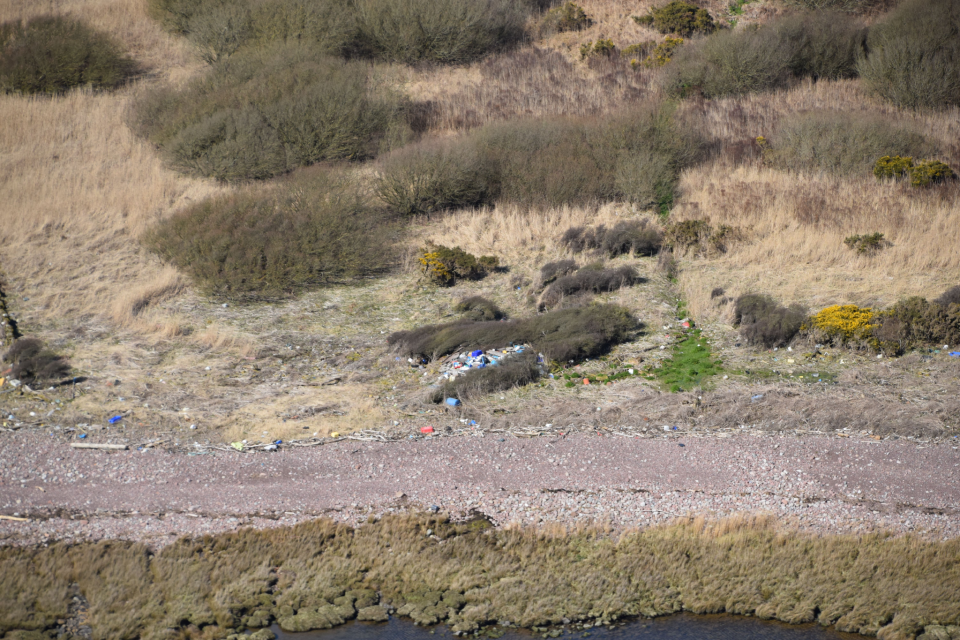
x,y
513,371
589,279
320,574
30,361
564,335
766,323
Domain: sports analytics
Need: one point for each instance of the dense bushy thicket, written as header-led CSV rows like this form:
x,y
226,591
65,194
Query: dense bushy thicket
x,y
734,62
916,322
913,55
842,143
564,335
764,322
635,156
568,16
308,230
261,113
678,17
446,265
631,237
445,31
513,371
52,54
30,361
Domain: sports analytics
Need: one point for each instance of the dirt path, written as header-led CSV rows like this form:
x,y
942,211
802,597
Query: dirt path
x,y
819,483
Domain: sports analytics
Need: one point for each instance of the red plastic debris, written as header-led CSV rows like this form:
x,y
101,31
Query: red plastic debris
x,y
586,381
426,429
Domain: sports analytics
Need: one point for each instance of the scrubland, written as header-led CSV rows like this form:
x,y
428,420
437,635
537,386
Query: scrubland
x,y
134,241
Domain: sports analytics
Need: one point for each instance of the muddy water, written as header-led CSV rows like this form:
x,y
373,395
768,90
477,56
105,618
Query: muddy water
x,y
679,627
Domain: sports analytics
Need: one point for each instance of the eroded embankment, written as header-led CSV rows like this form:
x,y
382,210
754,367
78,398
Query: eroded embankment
x,y
471,575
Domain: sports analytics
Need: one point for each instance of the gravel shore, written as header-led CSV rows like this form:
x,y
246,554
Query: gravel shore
x,y
822,484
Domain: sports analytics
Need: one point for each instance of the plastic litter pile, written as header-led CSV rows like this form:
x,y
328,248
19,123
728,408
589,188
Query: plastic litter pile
x,y
462,363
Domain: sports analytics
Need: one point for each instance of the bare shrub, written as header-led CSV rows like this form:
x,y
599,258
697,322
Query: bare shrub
x,y
298,107
913,55
553,270
842,143
478,309
52,54
430,177
949,297
307,231
31,362
916,322
564,335
513,371
568,16
766,323
445,31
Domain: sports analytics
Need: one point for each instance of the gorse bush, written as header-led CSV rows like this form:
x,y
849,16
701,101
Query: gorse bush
x,y
929,173
220,28
766,323
913,55
445,31
841,324
889,167
564,335
678,17
478,308
916,322
52,54
700,237
444,266
632,237
565,17
602,47
512,371
306,231
261,113
841,143
867,243
32,362
761,58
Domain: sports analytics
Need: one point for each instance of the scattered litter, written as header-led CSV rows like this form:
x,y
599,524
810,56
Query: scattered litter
x,y
82,436
237,445
759,396
115,419
14,518
459,364
193,426
434,508
586,381
335,434
681,445
955,354
278,442
426,429
453,402
271,447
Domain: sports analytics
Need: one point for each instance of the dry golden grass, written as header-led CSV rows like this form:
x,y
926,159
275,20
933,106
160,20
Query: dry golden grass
x,y
795,226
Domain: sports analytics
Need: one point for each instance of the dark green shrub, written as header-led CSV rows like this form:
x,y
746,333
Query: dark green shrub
x,y
445,31
586,280
258,114
220,28
679,17
422,179
566,17
865,244
513,371
444,266
306,231
565,335
478,308
764,322
632,237
842,143
52,54
889,167
913,55
916,322
930,172
32,362
824,45
949,297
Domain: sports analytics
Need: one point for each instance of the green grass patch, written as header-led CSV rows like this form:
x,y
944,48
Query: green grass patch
x,y
690,366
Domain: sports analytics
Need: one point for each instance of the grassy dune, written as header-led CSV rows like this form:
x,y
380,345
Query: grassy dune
x,y
470,576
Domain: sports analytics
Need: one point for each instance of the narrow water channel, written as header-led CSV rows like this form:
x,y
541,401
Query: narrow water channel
x,y
678,627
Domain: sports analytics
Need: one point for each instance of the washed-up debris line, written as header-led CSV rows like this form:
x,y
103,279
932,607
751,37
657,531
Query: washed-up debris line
x,y
460,364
